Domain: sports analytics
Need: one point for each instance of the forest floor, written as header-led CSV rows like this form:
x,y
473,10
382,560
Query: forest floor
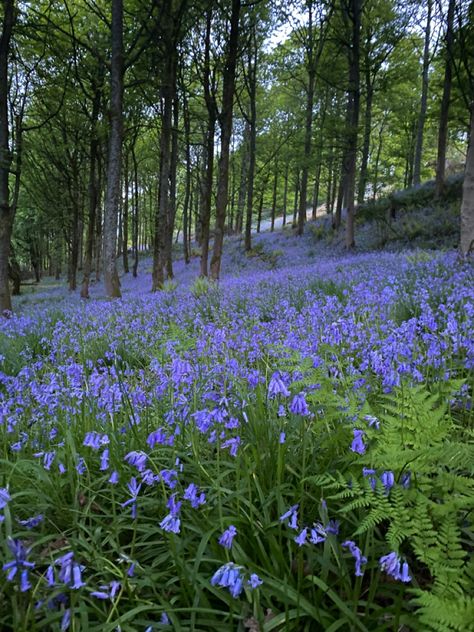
x,y
289,450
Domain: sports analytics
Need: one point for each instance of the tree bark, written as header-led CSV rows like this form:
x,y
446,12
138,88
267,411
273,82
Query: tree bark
x,y
135,227
92,186
424,99
354,9
6,212
467,205
444,114
274,197
111,278
125,216
207,177
226,132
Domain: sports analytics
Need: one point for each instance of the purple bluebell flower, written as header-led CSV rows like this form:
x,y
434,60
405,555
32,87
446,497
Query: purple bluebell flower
x,y
254,581
104,460
66,620
233,444
31,523
282,438
392,565
114,478
357,444
229,576
388,480
95,440
19,565
370,474
192,494
136,458
318,534
301,537
299,405
405,480
134,489
357,555
227,537
4,497
276,386
291,517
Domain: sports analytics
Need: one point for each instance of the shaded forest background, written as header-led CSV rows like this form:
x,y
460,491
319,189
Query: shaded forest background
x,y
128,126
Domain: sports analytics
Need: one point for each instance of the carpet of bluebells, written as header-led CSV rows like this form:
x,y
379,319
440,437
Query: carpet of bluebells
x,y
231,458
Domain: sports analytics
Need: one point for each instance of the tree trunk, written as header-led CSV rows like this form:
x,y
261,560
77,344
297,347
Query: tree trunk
x,y
173,172
424,99
187,192
112,282
367,131
226,132
243,179
274,198
162,214
92,187
135,227
444,114
285,194
467,206
207,177
125,216
6,212
354,10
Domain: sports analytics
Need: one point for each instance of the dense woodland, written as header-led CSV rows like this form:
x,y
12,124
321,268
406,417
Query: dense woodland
x,y
128,125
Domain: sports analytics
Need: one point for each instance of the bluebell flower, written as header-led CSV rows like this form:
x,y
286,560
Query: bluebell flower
x,y
66,620
282,438
291,517
301,538
227,537
95,440
4,497
370,474
136,458
233,444
19,565
192,494
299,405
388,480
276,386
317,534
357,444
392,565
134,489
114,478
405,480
229,576
254,581
164,619
357,555
31,523
104,460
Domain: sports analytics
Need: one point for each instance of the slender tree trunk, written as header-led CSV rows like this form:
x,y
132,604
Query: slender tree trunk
x,y
173,173
187,192
444,114
340,198
295,205
163,211
226,132
243,179
125,216
285,194
208,162
424,99
467,206
274,198
6,214
92,187
135,213
354,14
367,131
112,282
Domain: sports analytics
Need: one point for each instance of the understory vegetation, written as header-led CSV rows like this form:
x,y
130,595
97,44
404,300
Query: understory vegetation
x,y
291,449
